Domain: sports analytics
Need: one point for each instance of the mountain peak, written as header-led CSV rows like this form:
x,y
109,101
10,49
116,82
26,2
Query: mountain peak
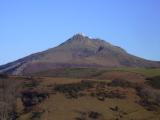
x,y
78,51
80,40
83,37
79,36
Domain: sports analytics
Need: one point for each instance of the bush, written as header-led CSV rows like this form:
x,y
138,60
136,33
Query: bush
x,y
30,98
150,98
91,115
4,76
94,115
31,83
72,90
154,82
36,115
121,83
8,94
76,87
110,94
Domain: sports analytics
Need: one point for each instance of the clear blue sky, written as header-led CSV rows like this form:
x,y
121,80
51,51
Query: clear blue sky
x,y
29,26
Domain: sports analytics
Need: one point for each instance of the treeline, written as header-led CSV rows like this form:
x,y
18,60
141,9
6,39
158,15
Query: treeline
x,y
7,98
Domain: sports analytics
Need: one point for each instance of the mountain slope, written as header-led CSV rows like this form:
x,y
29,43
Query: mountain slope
x,y
78,51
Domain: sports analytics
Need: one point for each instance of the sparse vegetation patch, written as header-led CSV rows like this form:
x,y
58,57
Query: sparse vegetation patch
x,y
121,83
31,82
73,90
36,115
108,94
91,115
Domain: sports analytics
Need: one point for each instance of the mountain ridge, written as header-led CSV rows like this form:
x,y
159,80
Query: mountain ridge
x,y
77,51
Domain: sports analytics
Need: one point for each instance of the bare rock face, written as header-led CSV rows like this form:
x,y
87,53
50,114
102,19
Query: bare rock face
x,y
78,51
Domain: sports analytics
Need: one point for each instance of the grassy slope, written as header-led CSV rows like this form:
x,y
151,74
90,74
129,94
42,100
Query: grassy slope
x,y
93,73
72,73
148,72
58,107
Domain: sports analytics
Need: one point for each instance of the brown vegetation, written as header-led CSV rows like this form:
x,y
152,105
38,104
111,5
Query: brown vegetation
x,y
150,98
8,95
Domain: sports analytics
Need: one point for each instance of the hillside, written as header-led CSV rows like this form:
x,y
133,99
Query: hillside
x,y
85,93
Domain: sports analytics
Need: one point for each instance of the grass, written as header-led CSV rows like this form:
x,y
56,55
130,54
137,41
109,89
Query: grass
x,y
59,107
72,73
95,73
58,102
148,72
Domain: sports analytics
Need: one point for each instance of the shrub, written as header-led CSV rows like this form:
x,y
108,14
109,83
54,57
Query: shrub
x,y
116,108
154,82
36,115
30,98
31,83
150,98
73,90
91,115
4,76
121,83
94,115
110,94
8,94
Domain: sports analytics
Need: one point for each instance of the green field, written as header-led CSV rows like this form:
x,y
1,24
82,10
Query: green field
x,y
148,72
92,72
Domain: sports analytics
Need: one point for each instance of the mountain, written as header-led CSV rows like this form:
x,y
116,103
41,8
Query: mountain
x,y
78,51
